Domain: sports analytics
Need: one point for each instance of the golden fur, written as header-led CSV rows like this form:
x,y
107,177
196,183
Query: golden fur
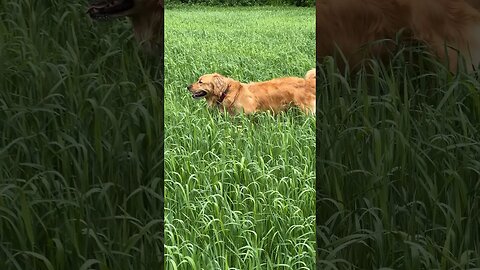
x,y
350,24
146,17
275,95
474,3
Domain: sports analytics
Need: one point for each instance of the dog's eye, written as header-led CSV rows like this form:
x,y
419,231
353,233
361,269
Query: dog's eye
x,y
200,81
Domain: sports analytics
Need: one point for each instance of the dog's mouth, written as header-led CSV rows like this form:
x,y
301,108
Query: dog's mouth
x,y
199,94
103,10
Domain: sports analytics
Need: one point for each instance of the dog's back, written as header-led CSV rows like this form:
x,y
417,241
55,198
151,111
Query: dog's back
x,y
475,4
311,74
347,25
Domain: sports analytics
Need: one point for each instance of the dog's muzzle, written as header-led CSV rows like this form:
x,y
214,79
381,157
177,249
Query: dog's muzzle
x,y
197,94
107,9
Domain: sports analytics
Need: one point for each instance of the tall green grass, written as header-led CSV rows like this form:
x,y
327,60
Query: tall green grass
x,y
300,3
80,142
398,166
239,190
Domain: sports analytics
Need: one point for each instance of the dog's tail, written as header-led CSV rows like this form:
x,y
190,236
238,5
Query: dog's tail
x,y
311,74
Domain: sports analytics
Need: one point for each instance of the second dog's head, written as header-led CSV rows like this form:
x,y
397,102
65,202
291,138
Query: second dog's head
x,y
211,86
108,9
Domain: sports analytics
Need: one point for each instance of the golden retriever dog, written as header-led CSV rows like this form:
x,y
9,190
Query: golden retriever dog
x,y
146,17
449,28
275,95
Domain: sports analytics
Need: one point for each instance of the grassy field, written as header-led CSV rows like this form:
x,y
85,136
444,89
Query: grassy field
x,y
239,191
398,167
80,142
299,3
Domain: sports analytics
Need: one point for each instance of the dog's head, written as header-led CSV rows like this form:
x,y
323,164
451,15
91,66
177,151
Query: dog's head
x,y
210,85
109,9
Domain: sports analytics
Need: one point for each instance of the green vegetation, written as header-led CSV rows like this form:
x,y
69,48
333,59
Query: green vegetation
x,y
300,3
398,167
80,142
239,191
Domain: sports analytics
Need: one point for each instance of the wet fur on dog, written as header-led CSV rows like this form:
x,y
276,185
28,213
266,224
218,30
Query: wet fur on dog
x,y
274,95
146,17
445,26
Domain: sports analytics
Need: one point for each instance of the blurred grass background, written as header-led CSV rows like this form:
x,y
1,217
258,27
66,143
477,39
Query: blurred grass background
x,y
81,146
398,166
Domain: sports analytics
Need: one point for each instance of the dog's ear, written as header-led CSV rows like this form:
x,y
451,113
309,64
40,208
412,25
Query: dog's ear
x,y
220,83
